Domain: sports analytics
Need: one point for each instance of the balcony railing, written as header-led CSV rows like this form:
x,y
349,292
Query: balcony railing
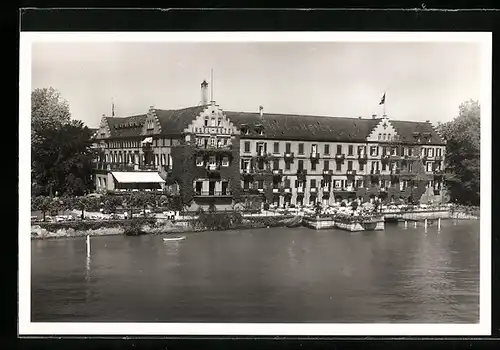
x,y
277,189
288,155
287,190
386,158
344,189
213,193
213,169
339,156
314,190
395,171
362,158
351,172
301,173
277,172
314,155
300,189
374,172
328,172
216,149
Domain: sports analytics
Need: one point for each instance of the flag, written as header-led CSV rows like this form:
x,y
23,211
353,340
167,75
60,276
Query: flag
x,y
382,101
113,109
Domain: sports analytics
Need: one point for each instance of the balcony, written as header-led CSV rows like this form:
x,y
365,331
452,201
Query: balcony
x,y
301,174
287,190
277,189
314,190
344,189
374,172
213,170
438,173
383,189
327,172
213,193
386,158
277,172
339,157
314,155
395,172
351,172
208,149
300,190
289,155
362,158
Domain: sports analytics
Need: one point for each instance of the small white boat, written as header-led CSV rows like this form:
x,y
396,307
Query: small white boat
x,y
174,238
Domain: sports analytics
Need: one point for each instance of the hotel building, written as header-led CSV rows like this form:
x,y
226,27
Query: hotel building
x,y
223,157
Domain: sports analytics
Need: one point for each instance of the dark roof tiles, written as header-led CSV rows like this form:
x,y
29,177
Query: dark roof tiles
x,y
305,127
409,131
127,126
174,121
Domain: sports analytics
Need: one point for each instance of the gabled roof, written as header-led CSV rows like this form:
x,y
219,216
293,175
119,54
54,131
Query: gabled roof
x,y
305,127
408,130
127,126
174,121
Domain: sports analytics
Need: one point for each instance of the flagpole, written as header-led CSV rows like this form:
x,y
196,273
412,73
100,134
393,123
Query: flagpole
x,y
385,100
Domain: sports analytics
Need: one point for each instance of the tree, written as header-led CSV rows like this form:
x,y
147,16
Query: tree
x,y
110,202
140,200
62,159
85,203
462,161
42,203
48,109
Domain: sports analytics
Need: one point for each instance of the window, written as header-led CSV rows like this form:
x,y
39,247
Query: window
x,y
301,148
199,161
384,136
245,164
246,185
211,160
206,121
314,148
339,149
219,122
384,151
212,122
384,166
431,152
339,166
212,141
410,151
260,184
163,159
276,147
157,159
327,149
247,146
380,137
276,164
349,165
313,183
438,152
361,167
313,166
288,148
225,161
410,167
287,165
326,165
287,183
337,183
350,150
361,150
261,148
373,150
394,151
301,164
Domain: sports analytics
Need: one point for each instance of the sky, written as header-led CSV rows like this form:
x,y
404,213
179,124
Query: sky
x,y
422,81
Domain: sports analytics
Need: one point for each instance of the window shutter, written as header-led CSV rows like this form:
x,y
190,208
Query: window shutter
x,y
322,183
296,183
265,147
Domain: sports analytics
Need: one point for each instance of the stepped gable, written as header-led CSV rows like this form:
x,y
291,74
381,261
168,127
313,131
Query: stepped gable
x,y
408,131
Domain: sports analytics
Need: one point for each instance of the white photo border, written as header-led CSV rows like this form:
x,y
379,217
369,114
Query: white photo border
x,y
26,327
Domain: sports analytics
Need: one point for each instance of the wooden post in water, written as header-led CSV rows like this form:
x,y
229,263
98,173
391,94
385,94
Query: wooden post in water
x,y
406,224
415,223
439,224
88,246
425,223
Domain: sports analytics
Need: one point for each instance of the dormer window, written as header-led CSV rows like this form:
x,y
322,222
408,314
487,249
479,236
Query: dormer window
x,y
212,122
260,129
219,122
206,121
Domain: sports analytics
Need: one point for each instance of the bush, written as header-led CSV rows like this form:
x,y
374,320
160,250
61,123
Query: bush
x,y
266,206
354,205
343,204
218,221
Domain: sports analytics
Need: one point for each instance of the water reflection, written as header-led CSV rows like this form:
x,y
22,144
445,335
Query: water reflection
x,y
269,275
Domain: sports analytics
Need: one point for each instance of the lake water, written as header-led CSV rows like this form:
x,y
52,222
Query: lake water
x,y
263,275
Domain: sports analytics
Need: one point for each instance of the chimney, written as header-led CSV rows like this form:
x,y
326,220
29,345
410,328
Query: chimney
x,y
204,93
374,116
261,111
